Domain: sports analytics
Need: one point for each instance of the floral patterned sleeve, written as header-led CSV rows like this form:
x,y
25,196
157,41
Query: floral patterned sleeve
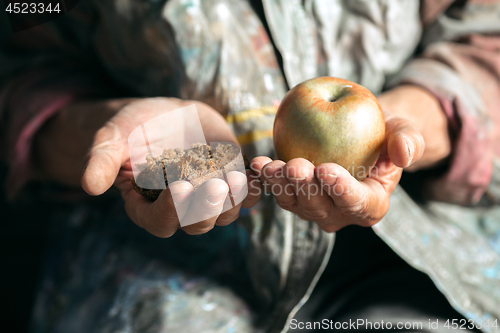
x,y
460,64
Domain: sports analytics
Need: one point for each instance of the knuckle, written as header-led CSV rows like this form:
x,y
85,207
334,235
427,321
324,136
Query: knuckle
x,y
369,222
108,134
164,233
329,227
190,231
290,206
357,208
371,219
250,201
223,220
254,185
166,215
198,230
315,214
163,230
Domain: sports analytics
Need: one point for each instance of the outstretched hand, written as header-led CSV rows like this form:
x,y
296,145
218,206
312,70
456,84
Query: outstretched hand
x,y
329,195
94,135
109,163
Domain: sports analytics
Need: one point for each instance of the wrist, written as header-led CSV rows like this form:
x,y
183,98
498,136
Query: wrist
x,y
60,146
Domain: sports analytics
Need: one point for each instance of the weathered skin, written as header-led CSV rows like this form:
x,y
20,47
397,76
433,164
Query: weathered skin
x,y
330,120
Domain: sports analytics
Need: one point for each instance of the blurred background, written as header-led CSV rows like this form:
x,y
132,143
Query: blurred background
x,y
23,235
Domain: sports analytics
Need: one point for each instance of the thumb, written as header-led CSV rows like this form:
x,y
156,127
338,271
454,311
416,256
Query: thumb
x,y
405,144
105,159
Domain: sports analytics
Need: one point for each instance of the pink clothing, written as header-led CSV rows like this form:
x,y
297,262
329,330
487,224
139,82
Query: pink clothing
x,y
465,77
27,101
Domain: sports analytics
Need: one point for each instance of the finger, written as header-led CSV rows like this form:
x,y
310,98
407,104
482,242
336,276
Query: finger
x,y
229,216
256,165
283,191
182,193
237,182
158,218
313,203
205,207
254,189
105,158
238,187
405,144
363,203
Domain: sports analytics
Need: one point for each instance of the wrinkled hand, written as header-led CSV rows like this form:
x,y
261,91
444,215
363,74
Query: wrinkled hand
x,y
109,163
416,138
95,134
329,195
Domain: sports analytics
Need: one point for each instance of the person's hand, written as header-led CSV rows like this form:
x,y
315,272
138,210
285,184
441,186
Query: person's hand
x,y
331,197
105,128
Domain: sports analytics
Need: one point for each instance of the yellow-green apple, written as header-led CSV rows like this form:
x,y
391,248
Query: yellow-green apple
x,y
330,120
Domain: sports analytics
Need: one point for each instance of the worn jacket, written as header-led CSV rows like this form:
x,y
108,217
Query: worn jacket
x,y
220,52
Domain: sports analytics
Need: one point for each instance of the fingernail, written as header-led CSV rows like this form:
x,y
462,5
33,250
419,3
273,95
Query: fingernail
x,y
180,191
273,179
410,147
181,197
216,199
297,179
327,175
235,189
